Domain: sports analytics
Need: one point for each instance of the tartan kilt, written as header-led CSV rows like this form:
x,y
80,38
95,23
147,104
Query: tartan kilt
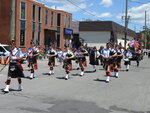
x,y
119,63
111,68
127,62
15,70
83,62
51,61
68,67
33,62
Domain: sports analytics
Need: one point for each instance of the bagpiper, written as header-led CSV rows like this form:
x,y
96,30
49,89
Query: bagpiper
x,y
128,56
93,56
15,69
51,54
109,55
81,58
32,54
119,51
67,57
100,52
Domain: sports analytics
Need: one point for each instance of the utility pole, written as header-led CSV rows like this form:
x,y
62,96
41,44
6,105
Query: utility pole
x,y
145,30
12,23
126,24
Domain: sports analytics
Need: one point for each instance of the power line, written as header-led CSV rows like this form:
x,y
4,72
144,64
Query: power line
x,y
83,9
137,2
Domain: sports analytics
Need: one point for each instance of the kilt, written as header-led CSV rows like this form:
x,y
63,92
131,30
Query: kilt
x,y
15,70
33,62
127,62
119,62
68,67
51,61
83,62
109,65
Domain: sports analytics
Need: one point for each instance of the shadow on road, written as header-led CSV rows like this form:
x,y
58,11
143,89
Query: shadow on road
x,y
76,74
60,78
89,71
99,80
10,90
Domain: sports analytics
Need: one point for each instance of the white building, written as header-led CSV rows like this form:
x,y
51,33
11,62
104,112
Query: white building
x,y
97,33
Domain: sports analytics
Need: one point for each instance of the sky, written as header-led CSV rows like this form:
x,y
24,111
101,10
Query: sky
x,y
105,10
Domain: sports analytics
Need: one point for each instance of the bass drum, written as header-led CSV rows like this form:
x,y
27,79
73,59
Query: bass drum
x,y
126,59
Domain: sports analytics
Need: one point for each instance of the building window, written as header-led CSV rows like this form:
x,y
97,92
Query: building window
x,y
22,33
46,17
39,33
33,13
58,40
39,37
33,31
65,17
52,19
40,15
68,21
33,22
39,27
39,24
22,23
23,10
58,19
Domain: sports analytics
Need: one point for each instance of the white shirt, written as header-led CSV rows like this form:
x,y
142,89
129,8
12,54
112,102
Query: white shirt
x,y
15,53
128,54
106,52
67,52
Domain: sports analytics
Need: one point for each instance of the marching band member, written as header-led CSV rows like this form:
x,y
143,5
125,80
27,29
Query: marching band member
x,y
32,54
76,60
118,60
128,56
138,55
94,58
67,57
15,69
109,56
81,53
101,51
51,53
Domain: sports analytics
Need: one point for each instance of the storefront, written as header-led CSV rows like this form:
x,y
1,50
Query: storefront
x,y
50,37
68,36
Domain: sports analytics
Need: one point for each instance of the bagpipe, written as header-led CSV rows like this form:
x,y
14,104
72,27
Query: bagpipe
x,y
68,56
119,56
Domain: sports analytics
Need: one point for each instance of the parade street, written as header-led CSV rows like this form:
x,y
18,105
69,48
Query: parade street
x,y
130,93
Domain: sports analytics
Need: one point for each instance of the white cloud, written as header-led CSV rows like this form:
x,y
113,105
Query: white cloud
x,y
71,8
106,3
68,5
134,0
137,14
100,15
62,1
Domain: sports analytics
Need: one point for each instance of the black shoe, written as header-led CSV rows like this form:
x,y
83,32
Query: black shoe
x,y
5,91
116,76
107,81
78,68
94,70
66,78
127,69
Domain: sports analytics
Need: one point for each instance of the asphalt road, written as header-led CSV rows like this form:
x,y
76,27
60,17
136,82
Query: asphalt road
x,y
130,93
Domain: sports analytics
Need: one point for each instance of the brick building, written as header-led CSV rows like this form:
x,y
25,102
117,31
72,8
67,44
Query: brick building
x,y
35,21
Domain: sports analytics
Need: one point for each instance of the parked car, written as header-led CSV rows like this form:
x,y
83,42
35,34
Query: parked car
x,y
4,51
